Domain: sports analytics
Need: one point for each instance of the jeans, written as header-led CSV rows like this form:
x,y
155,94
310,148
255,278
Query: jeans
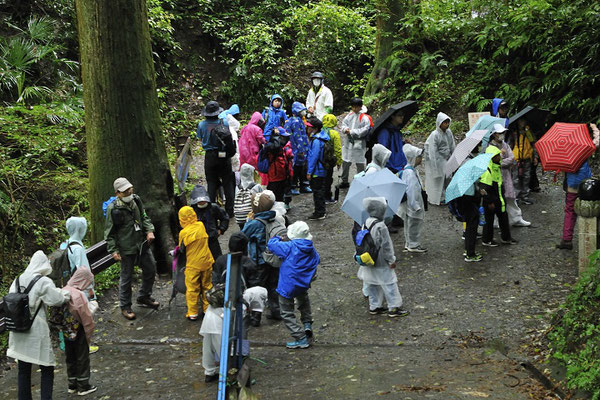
x,y
317,184
24,381
346,170
77,354
218,173
148,265
289,316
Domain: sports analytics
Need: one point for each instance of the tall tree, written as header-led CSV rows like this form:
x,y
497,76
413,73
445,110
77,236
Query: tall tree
x,y
122,117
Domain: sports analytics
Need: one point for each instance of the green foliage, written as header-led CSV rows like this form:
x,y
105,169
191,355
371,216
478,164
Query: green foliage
x,y
575,337
107,278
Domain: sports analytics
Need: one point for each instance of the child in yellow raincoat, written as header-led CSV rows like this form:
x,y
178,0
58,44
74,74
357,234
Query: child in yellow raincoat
x,y
330,122
199,261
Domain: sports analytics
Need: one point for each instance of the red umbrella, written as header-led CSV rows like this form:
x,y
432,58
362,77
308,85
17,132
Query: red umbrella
x,y
565,147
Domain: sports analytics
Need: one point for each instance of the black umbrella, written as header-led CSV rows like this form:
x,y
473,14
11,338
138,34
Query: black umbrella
x,y
536,118
408,106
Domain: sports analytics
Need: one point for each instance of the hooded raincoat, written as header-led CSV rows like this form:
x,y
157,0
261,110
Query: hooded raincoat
x,y
76,228
320,101
255,230
414,206
380,273
507,165
34,346
491,180
438,149
78,303
354,144
381,155
330,122
298,137
300,260
496,107
251,139
273,116
315,154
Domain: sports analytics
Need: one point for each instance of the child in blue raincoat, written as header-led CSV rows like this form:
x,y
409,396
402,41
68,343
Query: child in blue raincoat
x,y
299,141
274,116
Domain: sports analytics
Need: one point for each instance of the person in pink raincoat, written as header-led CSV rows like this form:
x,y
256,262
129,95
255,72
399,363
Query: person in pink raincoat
x,y
251,140
77,350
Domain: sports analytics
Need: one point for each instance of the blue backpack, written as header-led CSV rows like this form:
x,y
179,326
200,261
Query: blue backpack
x,y
365,246
106,204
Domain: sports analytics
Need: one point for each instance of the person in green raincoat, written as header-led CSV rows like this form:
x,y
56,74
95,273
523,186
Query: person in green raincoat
x,y
493,201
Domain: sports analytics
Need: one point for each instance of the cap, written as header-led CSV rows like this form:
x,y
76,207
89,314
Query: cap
x,y
317,74
499,128
122,184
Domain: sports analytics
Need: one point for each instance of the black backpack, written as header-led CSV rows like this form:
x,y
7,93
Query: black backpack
x,y
329,160
455,210
61,269
16,314
223,140
364,243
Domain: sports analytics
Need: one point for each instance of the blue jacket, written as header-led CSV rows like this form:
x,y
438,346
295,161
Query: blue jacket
x,y
574,179
495,106
275,117
391,137
300,260
298,139
203,132
315,155
255,230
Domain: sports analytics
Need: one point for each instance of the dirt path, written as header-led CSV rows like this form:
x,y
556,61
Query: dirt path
x,y
464,317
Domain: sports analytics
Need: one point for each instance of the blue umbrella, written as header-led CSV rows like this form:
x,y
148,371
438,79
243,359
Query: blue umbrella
x,y
486,122
467,175
382,183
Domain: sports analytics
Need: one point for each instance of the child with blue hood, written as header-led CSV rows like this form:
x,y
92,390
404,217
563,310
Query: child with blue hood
x,y
298,269
274,116
299,141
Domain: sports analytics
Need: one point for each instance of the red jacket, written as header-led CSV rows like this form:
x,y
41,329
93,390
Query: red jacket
x,y
278,165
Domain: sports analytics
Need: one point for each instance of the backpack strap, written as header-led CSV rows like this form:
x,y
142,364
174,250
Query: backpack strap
x,y
28,289
372,225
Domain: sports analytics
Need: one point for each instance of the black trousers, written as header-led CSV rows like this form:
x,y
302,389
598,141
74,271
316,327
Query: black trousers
x,y
218,173
469,207
329,183
488,228
534,182
299,179
278,188
269,279
77,354
215,247
24,381
317,184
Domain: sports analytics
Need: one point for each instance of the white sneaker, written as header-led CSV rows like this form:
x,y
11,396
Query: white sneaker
x,y
522,222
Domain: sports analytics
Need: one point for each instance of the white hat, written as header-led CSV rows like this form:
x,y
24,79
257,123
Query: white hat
x,y
122,184
499,128
299,230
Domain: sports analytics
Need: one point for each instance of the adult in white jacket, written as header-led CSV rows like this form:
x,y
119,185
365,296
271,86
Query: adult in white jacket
x,y
355,128
319,100
412,211
438,148
34,346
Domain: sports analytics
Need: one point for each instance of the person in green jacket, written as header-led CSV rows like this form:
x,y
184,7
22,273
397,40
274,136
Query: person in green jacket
x,y
128,233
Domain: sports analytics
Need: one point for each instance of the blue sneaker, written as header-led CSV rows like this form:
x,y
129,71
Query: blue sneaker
x,y
298,344
294,192
306,189
308,330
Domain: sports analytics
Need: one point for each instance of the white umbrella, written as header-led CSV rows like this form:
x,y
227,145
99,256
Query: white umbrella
x,y
462,151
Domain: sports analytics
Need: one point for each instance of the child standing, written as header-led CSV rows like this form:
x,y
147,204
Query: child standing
x,y
299,141
279,153
243,198
300,260
316,172
330,122
412,211
77,350
214,218
274,116
193,242
379,280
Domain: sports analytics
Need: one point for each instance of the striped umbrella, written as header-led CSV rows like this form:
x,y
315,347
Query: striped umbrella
x,y
462,151
565,147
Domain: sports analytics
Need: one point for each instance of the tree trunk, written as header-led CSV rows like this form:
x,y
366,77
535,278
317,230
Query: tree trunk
x,y
388,15
122,118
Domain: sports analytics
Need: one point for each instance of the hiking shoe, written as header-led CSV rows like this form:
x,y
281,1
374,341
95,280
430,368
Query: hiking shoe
x,y
298,344
306,189
294,192
476,258
211,378
527,201
565,245
330,201
522,222
255,318
72,388
87,389
378,310
193,317
94,349
308,330
509,241
317,216
127,313
148,302
397,312
490,244
344,185
417,249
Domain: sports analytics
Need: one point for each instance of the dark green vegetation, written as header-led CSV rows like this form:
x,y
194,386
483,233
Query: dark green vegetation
x,y
453,56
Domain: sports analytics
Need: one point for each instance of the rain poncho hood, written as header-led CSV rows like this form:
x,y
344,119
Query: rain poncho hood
x,y
441,117
439,146
414,206
251,138
493,150
199,194
246,176
329,121
381,155
299,230
380,273
76,228
195,239
298,267
233,110
412,153
297,108
375,207
496,106
78,304
187,216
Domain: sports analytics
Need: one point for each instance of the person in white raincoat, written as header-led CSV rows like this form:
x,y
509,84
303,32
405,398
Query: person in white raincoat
x,y
412,211
355,128
438,148
381,155
379,280
319,100
34,346
211,330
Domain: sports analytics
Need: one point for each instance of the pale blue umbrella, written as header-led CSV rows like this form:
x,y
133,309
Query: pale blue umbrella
x,y
486,122
467,175
383,183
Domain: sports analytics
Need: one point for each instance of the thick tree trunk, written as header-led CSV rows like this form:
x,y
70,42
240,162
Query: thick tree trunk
x,y
389,13
122,117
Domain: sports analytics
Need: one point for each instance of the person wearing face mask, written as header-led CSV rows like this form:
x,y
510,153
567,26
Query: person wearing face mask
x,y
319,100
355,129
214,218
128,233
438,148
299,142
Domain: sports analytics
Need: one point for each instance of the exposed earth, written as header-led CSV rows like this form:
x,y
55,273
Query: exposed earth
x,y
471,324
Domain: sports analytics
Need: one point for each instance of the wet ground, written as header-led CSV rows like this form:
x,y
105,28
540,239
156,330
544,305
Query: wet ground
x,y
470,323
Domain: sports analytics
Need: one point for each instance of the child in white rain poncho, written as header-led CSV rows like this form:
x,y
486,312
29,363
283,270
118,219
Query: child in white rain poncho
x,y
438,148
380,281
412,211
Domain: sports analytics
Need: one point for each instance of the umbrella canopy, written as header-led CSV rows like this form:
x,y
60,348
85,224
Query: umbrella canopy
x,y
486,122
383,183
408,106
467,175
565,147
462,151
536,118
